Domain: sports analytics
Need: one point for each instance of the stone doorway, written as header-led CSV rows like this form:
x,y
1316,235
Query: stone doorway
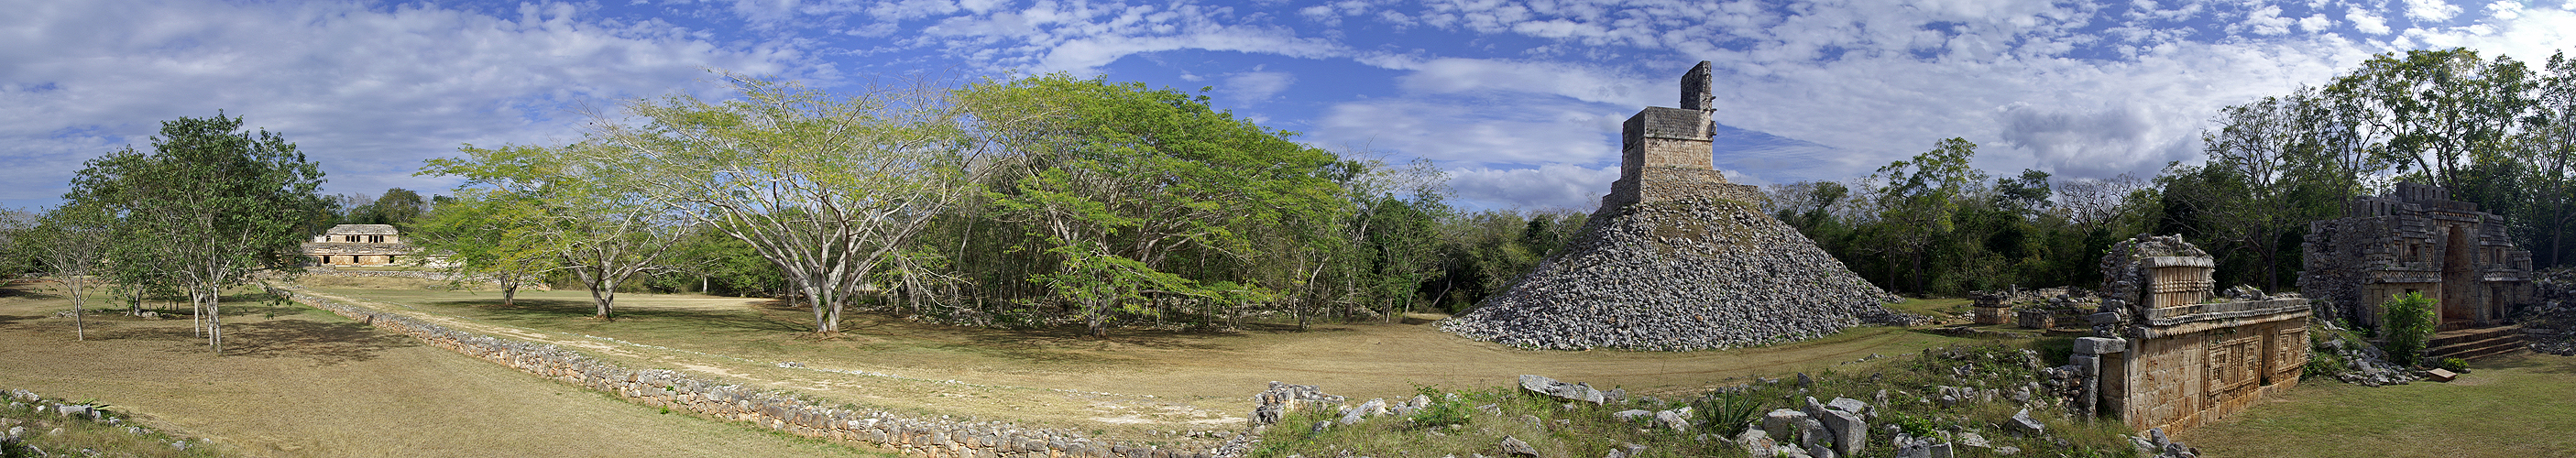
x,y
2459,280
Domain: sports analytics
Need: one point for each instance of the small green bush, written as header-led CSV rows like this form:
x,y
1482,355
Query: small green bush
x,y
1442,412
1727,413
2455,365
2410,327
2325,365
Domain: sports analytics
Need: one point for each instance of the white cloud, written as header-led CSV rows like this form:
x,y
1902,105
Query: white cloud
x,y
365,92
2431,10
1483,132
1257,86
2266,21
2366,22
1552,186
1589,84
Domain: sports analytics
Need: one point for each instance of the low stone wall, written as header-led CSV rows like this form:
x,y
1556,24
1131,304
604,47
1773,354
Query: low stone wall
x,y
774,410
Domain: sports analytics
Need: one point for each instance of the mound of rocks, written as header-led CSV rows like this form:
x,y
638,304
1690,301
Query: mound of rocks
x,y
2549,323
1687,274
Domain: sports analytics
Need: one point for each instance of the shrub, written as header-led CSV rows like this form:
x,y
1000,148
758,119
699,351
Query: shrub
x,y
2409,327
1727,413
2325,365
2455,365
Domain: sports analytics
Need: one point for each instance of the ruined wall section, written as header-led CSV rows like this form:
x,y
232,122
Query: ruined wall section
x,y
2168,353
2399,242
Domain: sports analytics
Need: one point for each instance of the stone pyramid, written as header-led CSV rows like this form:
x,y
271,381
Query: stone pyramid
x,y
1678,259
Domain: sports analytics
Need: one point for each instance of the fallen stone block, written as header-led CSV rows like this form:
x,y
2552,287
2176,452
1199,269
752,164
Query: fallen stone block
x,y
1513,446
2022,421
2441,375
1562,390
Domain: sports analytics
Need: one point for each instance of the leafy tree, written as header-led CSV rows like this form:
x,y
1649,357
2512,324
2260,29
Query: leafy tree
x,y
69,243
399,207
2443,109
1116,180
1920,196
2549,149
208,207
570,203
829,189
488,237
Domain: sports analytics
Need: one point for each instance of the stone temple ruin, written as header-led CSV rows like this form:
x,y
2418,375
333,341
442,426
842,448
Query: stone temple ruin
x,y
1677,259
2416,239
2166,353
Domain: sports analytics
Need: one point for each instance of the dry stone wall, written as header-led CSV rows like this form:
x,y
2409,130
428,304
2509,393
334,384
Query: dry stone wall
x,y
1690,274
913,436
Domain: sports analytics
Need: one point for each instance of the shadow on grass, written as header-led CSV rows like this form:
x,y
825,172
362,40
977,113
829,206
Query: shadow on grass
x,y
6,320
533,310
326,343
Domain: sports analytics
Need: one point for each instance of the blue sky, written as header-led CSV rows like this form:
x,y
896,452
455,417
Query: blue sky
x,y
1518,101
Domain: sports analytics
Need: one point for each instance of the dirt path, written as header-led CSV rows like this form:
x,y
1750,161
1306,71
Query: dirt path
x,y
306,383
1130,384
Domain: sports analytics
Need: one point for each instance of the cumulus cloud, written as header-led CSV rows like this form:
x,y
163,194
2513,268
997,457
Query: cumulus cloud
x,y
2431,10
366,92
1479,132
2366,22
1552,186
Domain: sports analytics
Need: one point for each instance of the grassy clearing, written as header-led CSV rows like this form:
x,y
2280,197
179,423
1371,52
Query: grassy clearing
x,y
1938,308
1134,385
297,381
2511,406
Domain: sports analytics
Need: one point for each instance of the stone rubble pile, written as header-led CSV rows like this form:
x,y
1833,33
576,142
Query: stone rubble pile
x,y
777,410
14,439
1688,274
2549,324
2364,364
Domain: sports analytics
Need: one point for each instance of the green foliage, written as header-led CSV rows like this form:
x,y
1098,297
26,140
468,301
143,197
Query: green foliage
x,y
2454,365
1727,413
2410,323
2325,365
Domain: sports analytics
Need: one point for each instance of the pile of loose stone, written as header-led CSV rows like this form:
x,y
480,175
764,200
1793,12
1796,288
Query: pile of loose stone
x,y
2364,364
1680,275
2549,324
13,439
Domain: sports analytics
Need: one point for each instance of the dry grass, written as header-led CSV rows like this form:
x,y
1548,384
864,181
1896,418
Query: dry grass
x,y
1127,386
306,383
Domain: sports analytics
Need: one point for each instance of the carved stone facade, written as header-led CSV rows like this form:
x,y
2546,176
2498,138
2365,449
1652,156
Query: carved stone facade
x,y
1664,153
358,245
2167,355
2416,239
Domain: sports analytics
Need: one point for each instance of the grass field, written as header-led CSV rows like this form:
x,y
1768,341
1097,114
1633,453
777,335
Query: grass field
x,y
306,383
2511,406
1132,385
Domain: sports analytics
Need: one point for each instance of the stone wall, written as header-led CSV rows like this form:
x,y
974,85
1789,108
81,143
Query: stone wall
x,y
2415,239
771,409
2169,353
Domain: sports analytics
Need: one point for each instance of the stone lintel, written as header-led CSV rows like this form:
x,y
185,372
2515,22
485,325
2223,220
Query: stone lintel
x,y
2179,261
2100,346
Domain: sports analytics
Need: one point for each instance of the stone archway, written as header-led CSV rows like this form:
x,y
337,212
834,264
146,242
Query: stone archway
x,y
2459,279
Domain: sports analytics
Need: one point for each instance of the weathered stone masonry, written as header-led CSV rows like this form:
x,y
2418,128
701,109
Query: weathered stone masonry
x,y
2166,354
2416,239
774,410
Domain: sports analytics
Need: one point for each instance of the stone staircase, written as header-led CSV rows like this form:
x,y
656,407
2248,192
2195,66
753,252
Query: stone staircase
x,y
2476,343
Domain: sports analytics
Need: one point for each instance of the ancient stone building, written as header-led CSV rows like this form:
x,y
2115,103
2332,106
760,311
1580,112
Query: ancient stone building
x,y
1677,258
2416,239
358,245
2168,354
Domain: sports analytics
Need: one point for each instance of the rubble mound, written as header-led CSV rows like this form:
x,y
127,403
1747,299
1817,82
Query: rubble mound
x,y
2549,323
1687,274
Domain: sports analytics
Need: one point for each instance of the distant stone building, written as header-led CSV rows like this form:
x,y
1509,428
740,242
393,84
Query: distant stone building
x,y
2416,239
358,245
2167,353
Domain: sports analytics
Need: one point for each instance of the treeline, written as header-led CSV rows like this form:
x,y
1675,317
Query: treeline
x,y
1029,202
2496,131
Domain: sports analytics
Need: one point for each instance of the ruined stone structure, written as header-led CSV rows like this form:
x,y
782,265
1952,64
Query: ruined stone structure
x,y
2416,239
2168,354
358,245
1676,259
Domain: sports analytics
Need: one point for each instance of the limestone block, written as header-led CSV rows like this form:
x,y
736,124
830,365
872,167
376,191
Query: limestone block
x,y
1782,424
2100,345
1850,433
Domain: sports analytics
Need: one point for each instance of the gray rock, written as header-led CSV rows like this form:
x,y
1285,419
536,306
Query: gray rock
x,y
1971,439
1757,442
1783,423
2022,421
1320,426
1562,390
1848,405
1631,414
1513,446
1365,410
1850,433
1677,419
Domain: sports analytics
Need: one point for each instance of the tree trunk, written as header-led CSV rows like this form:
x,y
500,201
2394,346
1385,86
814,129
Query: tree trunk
x,y
509,290
80,331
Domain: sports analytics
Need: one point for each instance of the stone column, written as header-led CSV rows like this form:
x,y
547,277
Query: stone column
x,y
2088,361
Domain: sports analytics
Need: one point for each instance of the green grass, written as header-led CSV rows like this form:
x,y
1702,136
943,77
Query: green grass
x,y
83,436
2511,406
1941,307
